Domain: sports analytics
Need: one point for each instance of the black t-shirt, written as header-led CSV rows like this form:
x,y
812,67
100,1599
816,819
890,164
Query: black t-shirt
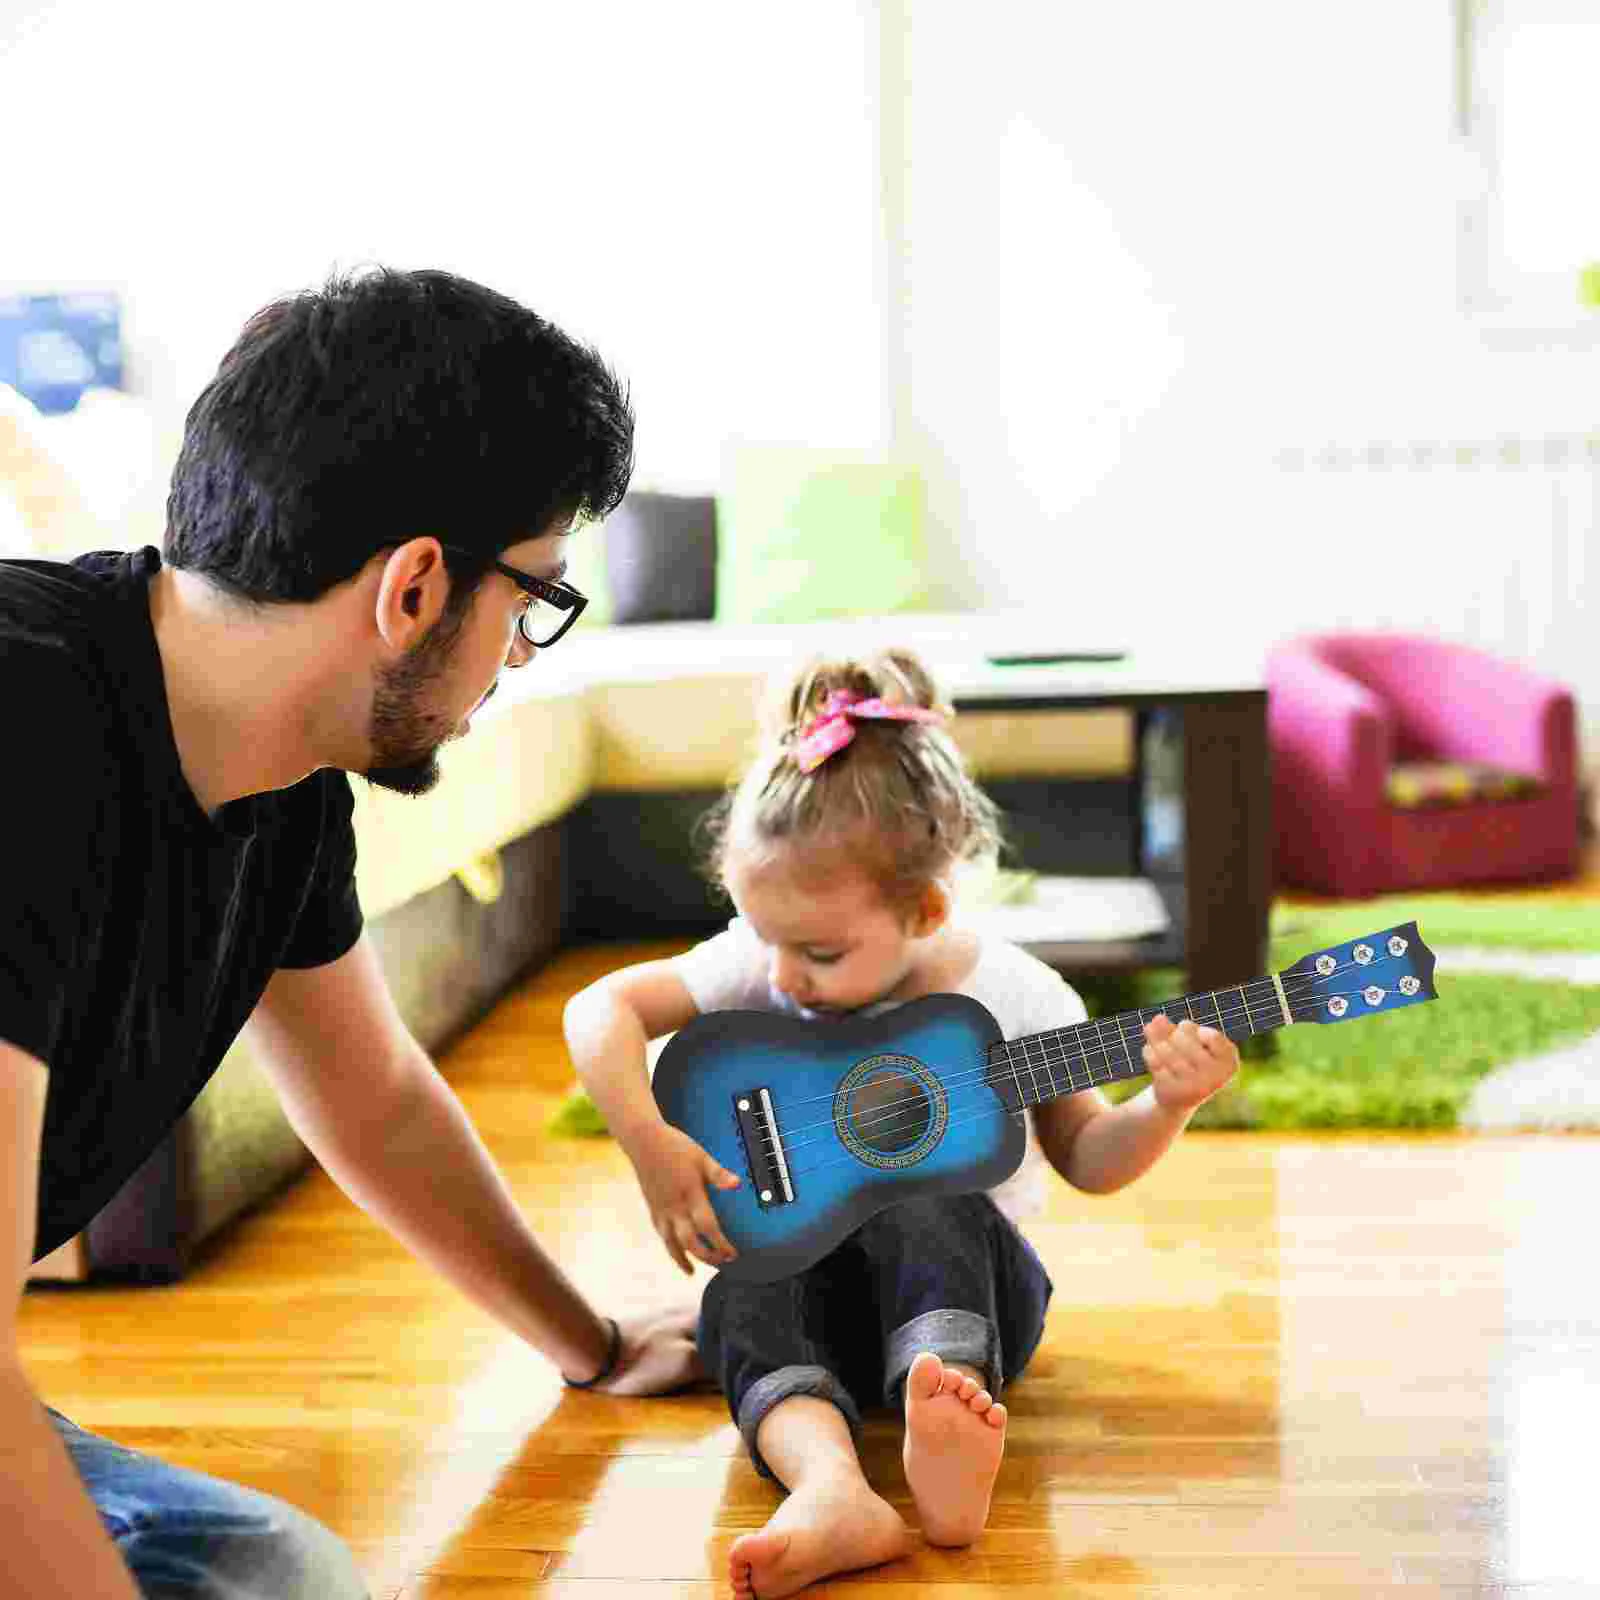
x,y
138,933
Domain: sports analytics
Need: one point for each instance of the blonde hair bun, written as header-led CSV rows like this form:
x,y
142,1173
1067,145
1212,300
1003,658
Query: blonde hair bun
x,y
897,800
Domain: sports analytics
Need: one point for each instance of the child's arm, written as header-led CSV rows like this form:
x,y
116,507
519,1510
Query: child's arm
x,y
607,1027
1099,1147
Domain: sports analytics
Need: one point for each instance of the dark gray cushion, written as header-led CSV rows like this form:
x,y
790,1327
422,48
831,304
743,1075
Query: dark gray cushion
x,y
661,558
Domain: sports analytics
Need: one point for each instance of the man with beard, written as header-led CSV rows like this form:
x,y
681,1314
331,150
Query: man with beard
x,y
365,525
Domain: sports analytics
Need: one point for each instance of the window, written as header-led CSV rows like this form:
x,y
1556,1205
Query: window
x,y
1528,122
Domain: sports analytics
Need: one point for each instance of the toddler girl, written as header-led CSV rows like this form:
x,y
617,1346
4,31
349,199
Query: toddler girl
x,y
839,849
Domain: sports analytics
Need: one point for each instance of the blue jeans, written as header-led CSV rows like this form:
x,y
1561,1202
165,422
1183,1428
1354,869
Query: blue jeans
x,y
186,1535
949,1274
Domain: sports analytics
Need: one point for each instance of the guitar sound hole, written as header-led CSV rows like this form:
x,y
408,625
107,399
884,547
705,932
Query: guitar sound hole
x,y
890,1112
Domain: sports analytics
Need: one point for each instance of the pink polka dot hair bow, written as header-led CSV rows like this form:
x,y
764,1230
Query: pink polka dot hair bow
x,y
834,726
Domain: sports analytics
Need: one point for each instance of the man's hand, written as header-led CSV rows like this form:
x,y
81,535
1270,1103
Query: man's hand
x,y
1187,1063
659,1353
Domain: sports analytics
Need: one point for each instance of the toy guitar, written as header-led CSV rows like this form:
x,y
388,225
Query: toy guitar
x,y
828,1124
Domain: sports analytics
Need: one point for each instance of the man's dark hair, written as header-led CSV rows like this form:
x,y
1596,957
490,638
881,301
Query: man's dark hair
x,y
385,406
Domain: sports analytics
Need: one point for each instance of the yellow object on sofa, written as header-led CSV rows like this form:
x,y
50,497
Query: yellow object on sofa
x,y
1415,785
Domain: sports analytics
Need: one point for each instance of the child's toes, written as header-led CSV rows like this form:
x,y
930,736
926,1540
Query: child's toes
x,y
927,1376
995,1416
980,1402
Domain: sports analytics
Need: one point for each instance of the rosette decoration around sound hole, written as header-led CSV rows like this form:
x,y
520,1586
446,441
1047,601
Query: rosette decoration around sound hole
x,y
890,1111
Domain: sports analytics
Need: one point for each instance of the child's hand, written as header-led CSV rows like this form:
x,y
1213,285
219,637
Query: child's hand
x,y
1187,1063
673,1172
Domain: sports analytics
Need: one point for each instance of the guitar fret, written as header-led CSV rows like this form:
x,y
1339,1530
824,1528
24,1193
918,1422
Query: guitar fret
x,y
1283,999
1056,1056
1040,1096
1050,1065
1033,1071
1105,1055
1249,1021
1053,1054
1127,1045
1114,1068
1109,1032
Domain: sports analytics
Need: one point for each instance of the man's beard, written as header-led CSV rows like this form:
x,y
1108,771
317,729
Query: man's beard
x,y
406,736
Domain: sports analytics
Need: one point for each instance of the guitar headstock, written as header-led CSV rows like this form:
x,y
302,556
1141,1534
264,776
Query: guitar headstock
x,y
1379,972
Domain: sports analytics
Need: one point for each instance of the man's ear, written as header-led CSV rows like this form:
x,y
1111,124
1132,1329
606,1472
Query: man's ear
x,y
931,912
413,590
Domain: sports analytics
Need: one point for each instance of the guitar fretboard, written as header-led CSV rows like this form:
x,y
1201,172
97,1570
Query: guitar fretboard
x,y
1043,1066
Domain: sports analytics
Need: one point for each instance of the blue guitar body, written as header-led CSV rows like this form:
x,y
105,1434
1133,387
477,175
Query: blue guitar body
x,y
867,1112
827,1123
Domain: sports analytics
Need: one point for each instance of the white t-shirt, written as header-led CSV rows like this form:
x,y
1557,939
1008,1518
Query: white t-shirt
x,y
732,972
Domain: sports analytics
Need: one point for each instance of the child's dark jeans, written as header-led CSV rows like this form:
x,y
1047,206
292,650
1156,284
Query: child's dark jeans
x,y
949,1274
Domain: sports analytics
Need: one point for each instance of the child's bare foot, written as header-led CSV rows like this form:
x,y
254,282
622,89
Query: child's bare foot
x,y
832,1524
955,1436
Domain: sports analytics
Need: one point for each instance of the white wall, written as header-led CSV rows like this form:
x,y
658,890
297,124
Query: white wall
x,y
1151,248
1097,269
692,187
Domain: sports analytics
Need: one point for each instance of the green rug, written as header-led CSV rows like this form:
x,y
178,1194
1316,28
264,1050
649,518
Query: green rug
x,y
1502,922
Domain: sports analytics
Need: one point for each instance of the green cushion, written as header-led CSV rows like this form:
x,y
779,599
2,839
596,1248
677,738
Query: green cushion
x,y
807,535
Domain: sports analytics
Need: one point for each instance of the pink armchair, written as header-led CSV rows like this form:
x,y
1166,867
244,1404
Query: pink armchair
x,y
1342,709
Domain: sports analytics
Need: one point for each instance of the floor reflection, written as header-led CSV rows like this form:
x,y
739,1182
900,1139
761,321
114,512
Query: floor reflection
x,y
1550,1379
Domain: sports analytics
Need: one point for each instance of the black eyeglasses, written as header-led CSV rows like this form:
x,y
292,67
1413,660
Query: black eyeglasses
x,y
553,606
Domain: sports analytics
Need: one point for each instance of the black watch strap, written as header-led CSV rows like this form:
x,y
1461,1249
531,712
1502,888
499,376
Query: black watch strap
x,y
612,1356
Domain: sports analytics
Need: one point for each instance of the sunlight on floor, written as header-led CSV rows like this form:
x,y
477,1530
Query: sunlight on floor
x,y
1550,1398
469,1455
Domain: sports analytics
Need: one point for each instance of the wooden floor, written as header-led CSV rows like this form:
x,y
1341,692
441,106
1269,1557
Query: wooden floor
x,y
1277,1366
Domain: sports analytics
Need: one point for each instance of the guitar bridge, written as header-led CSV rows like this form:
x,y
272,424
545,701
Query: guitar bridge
x,y
763,1148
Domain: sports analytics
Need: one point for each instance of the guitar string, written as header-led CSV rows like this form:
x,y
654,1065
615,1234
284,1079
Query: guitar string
x,y
1293,991
1015,1066
1117,1038
1023,1069
846,1156
1016,1069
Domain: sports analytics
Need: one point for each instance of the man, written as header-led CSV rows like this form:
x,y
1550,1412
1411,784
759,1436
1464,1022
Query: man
x,y
366,524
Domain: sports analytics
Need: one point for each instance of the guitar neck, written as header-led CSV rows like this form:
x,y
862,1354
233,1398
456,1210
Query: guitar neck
x,y
1043,1066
